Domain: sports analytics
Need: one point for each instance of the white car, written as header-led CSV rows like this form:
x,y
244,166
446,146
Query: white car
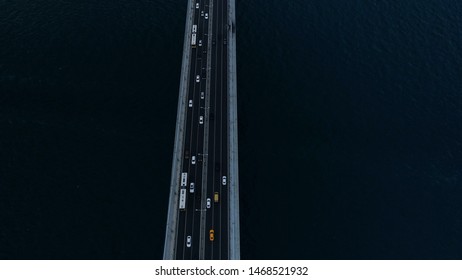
x,y
223,180
202,13
209,202
190,103
193,160
197,5
206,16
188,241
198,78
202,95
200,43
191,188
201,120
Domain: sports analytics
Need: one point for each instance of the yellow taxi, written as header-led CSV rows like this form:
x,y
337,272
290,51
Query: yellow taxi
x,y
212,235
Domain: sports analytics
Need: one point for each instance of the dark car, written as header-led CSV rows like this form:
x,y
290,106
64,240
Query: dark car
x,y
186,154
217,166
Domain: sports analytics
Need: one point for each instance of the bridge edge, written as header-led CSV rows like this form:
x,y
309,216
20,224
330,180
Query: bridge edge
x,y
171,228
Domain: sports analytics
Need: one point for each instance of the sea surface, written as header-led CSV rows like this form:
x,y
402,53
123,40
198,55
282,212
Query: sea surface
x,y
350,128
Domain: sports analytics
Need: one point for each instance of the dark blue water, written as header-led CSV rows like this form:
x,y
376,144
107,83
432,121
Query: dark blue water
x,y
350,128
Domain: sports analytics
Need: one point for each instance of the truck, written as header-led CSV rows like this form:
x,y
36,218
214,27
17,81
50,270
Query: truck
x,y
182,199
184,179
193,40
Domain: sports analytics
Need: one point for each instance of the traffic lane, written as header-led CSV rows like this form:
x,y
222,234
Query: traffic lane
x,y
218,136
211,152
197,207
201,107
213,166
191,116
199,166
198,62
218,159
213,163
184,223
221,118
181,229
203,29
213,127
180,233
183,217
188,169
196,174
210,173
224,188
193,144
224,248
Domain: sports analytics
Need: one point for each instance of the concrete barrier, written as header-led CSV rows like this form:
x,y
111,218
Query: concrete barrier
x,y
234,228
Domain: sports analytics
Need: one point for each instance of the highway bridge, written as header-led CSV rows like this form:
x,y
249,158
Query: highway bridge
x,y
203,214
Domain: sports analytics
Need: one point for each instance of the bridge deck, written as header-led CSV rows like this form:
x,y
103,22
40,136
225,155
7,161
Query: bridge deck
x,y
206,146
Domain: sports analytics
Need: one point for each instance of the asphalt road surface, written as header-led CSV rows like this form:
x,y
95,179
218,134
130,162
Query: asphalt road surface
x,y
214,117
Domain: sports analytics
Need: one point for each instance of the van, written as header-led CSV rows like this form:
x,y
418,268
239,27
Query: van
x,y
215,197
